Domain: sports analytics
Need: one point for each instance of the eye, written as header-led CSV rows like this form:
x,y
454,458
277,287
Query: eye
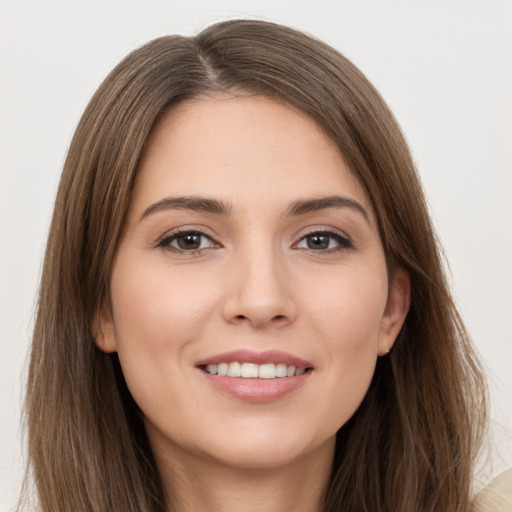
x,y
187,241
324,241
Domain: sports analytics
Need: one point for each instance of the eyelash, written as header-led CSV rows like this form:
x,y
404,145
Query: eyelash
x,y
167,239
342,240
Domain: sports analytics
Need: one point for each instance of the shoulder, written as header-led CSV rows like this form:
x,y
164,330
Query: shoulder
x,y
497,496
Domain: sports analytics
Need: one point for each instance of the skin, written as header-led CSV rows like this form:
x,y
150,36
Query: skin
x,y
254,283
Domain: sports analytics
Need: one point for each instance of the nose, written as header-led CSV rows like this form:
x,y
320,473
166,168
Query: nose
x,y
259,291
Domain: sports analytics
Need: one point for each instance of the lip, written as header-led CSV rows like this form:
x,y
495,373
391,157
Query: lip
x,y
251,356
256,390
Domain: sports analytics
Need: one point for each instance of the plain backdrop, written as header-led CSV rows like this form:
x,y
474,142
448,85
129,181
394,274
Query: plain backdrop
x,y
444,66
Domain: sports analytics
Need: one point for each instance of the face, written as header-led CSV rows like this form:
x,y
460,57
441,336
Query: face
x,y
250,295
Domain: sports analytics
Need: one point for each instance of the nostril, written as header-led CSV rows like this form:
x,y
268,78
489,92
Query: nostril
x,y
277,317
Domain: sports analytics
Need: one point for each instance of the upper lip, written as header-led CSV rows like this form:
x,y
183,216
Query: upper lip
x,y
251,356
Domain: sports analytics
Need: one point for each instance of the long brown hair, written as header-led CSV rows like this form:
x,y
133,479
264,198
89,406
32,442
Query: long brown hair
x,y
412,443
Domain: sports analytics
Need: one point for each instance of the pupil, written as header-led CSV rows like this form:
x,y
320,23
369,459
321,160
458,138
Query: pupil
x,y
318,242
191,241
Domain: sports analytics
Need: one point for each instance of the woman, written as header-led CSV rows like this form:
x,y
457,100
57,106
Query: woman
x,y
242,304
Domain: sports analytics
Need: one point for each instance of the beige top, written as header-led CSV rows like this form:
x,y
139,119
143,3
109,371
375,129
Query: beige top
x,y
497,496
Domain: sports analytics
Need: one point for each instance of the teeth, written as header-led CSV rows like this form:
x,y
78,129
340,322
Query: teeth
x,y
234,370
213,369
267,371
254,371
249,371
281,370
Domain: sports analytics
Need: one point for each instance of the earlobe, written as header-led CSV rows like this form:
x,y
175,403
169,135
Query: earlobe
x,y
397,307
103,330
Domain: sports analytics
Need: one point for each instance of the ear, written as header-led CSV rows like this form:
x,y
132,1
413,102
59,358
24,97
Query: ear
x,y
397,307
104,331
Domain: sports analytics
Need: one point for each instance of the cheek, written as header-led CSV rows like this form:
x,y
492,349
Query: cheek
x,y
158,315
347,322
347,308
158,309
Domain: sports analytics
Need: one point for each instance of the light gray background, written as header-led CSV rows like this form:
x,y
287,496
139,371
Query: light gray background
x,y
444,66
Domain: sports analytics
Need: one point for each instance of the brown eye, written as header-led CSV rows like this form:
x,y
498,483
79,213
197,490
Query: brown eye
x,y
318,242
187,241
324,241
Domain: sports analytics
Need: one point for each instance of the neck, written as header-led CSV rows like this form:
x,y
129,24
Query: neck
x,y
200,484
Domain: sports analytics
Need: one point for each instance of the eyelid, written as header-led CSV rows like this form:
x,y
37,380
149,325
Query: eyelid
x,y
345,242
163,241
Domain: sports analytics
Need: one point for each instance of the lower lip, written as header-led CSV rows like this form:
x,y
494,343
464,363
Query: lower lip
x,y
257,390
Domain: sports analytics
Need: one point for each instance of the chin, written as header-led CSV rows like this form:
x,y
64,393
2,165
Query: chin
x,y
265,448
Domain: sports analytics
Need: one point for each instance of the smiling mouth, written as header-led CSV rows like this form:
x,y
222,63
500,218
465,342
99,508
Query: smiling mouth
x,y
256,376
254,371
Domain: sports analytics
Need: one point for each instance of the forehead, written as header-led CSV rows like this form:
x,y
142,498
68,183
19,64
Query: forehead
x,y
252,149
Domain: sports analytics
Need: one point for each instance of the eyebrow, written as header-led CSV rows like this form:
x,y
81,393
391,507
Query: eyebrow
x,y
199,204
312,205
216,207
